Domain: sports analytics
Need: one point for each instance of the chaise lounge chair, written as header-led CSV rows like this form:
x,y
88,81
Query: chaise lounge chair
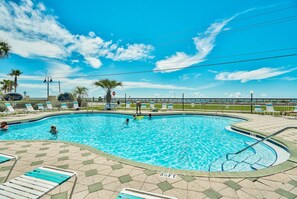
x,y
170,107
9,109
270,109
164,106
75,106
258,109
152,105
128,105
6,158
49,106
64,106
143,106
36,183
30,108
128,193
41,107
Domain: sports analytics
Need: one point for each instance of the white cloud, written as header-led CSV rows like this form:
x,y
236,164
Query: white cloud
x,y
94,62
233,95
197,94
258,74
133,52
207,86
204,43
33,32
60,70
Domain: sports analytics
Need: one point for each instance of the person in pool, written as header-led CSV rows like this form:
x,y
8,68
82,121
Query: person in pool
x,y
150,116
4,126
53,129
127,121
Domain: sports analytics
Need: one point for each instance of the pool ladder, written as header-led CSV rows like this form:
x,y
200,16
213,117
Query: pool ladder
x,y
246,148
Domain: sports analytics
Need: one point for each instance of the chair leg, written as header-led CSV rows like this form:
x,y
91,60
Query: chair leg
x,y
15,161
72,190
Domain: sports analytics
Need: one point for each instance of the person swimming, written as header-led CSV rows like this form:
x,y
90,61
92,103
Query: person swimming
x,y
150,116
4,126
127,121
53,129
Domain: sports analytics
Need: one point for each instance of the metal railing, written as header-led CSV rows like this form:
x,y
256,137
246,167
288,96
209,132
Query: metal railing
x,y
227,156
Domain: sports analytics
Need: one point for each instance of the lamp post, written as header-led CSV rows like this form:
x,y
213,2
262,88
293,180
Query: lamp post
x,y
251,92
48,80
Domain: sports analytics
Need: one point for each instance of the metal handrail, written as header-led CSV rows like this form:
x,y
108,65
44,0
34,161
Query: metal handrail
x,y
244,149
265,138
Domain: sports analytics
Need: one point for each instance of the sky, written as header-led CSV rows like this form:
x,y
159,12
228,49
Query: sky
x,y
199,48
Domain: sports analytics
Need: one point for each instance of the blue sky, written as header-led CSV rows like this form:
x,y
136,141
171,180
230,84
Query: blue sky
x,y
74,42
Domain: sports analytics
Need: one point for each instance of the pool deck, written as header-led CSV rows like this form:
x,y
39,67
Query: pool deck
x,y
103,176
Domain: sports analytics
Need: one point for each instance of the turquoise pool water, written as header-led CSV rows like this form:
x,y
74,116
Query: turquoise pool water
x,y
189,142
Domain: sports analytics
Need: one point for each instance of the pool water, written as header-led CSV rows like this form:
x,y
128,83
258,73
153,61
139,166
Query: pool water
x,y
188,142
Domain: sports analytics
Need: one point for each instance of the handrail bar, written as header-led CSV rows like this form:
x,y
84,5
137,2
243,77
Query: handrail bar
x,y
265,138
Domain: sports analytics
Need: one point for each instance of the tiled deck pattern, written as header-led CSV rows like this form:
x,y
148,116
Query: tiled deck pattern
x,y
100,177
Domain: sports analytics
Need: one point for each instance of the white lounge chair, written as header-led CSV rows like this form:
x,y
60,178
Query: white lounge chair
x,y
6,158
258,109
75,106
110,106
164,106
30,108
128,105
37,183
295,110
128,193
170,107
143,106
9,109
41,107
49,106
152,105
270,109
64,106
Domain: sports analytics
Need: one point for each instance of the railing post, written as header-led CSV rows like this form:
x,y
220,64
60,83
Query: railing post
x,y
183,101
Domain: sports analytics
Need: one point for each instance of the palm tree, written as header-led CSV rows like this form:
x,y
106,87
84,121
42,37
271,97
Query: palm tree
x,y
80,92
4,49
7,85
107,85
15,74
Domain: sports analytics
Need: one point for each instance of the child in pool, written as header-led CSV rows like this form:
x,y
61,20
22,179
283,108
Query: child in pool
x,y
53,129
4,126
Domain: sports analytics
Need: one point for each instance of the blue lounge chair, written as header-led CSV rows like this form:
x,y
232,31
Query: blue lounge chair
x,y
37,183
6,158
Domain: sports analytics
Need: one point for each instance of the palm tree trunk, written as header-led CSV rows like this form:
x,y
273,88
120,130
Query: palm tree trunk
x,y
15,83
108,97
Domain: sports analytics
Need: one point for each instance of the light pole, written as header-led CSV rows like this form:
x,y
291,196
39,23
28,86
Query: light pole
x,y
48,80
251,92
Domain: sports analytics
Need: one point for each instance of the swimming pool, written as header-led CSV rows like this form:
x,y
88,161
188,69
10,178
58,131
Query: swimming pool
x,y
187,142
